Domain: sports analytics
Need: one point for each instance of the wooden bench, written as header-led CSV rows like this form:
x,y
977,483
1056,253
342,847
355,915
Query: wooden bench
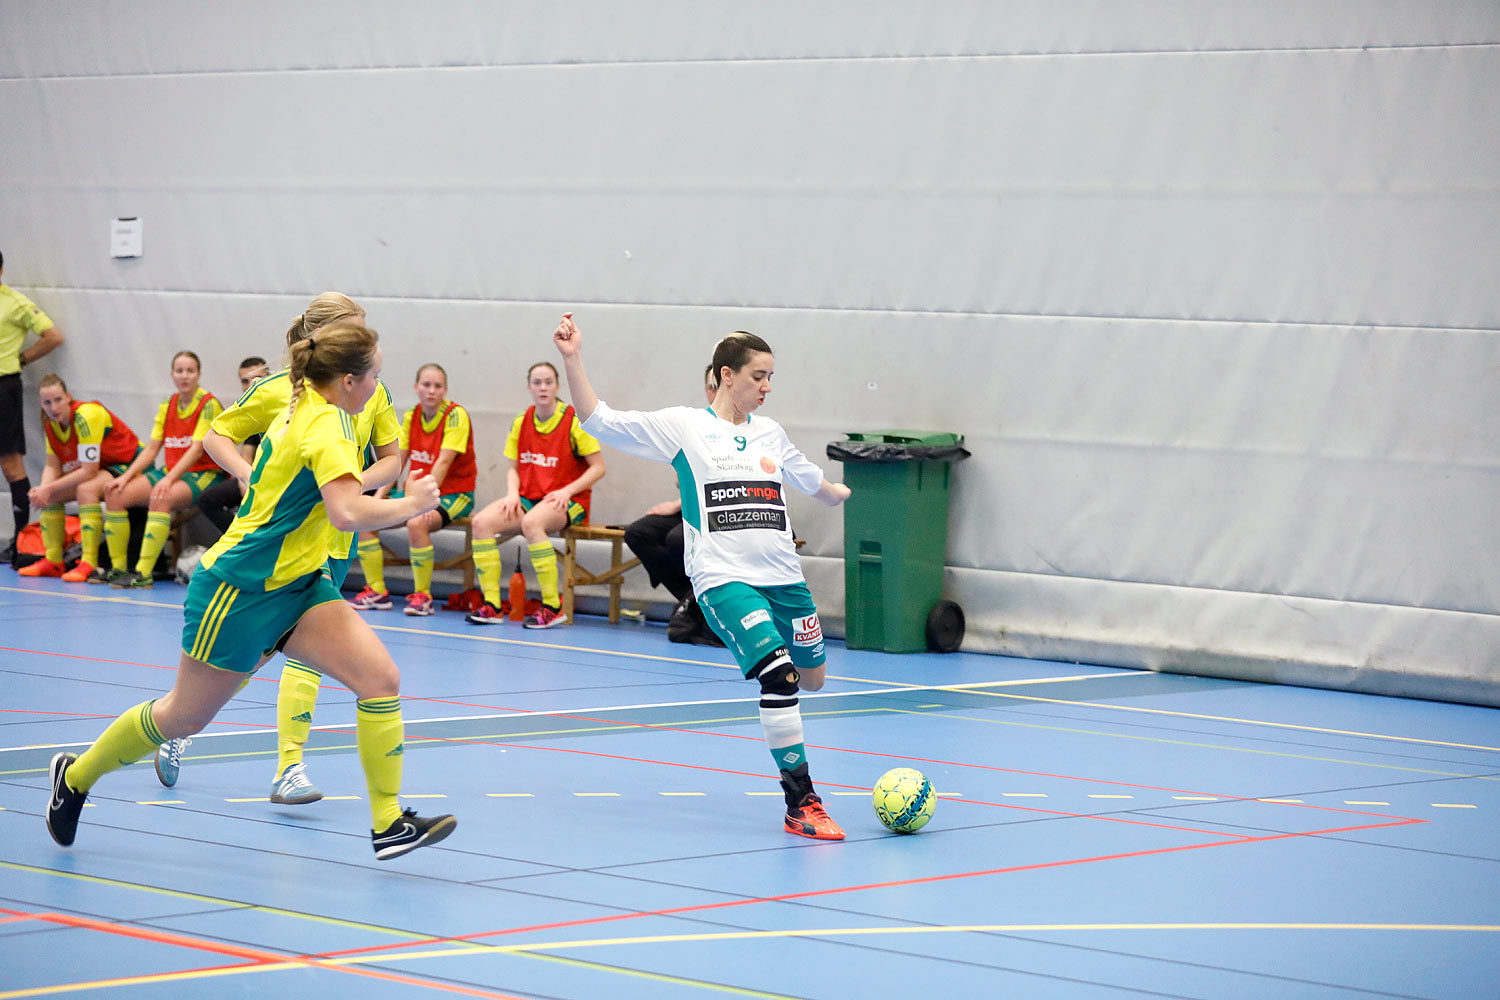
x,y
574,574
464,560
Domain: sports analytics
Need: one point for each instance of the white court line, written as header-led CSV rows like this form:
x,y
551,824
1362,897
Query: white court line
x,y
541,714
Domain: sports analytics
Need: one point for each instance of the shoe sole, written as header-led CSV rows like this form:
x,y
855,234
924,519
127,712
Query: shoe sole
x,y
484,621
814,835
418,614
370,607
282,800
554,623
160,765
438,831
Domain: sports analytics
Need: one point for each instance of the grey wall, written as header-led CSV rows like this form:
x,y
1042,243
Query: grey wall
x,y
1209,288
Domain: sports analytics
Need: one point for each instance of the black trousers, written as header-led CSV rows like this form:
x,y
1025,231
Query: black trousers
x,y
220,502
656,540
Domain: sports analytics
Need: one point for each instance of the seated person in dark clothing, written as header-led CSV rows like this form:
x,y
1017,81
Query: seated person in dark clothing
x,y
221,501
656,539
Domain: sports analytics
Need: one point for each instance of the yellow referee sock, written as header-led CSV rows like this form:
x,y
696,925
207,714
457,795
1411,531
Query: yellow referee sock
x,y
296,697
54,521
378,734
117,537
91,530
544,561
127,740
421,569
158,527
487,567
372,561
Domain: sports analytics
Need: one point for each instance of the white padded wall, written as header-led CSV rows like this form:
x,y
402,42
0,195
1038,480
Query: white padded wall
x,y
1209,288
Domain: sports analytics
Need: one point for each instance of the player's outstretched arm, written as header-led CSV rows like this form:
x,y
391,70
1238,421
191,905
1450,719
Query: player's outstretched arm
x,y
569,344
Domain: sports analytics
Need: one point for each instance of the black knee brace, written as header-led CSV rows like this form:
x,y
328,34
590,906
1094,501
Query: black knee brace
x,y
778,679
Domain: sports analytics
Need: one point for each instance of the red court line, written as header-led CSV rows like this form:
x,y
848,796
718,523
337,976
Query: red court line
x,y
818,893
256,957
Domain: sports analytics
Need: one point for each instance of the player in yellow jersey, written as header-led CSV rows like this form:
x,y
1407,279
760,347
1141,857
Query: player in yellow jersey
x,y
19,318
265,586
375,428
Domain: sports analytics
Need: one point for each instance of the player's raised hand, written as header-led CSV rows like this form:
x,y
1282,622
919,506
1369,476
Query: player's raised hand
x,y
567,337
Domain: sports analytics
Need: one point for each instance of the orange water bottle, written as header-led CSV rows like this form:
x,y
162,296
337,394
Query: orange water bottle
x,y
517,591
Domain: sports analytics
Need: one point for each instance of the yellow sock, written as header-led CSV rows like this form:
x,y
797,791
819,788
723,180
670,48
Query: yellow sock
x,y
421,569
378,733
158,527
296,697
54,526
91,526
544,561
117,537
372,561
127,740
487,567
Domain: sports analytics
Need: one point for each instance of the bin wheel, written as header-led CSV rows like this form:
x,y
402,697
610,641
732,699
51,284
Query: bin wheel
x,y
945,627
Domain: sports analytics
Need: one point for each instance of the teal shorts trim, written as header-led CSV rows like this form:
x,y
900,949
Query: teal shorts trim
x,y
234,629
197,482
753,621
576,511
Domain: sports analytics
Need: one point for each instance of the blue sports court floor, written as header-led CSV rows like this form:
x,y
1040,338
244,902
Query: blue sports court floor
x,y
1102,833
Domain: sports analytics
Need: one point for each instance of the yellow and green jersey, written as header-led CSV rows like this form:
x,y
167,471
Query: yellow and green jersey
x,y
282,531
18,317
265,402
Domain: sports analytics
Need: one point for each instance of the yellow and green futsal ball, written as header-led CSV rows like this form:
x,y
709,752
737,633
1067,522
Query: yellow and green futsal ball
x,y
904,799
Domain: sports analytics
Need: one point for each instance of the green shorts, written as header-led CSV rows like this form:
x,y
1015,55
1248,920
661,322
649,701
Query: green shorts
x,y
195,481
118,469
577,512
451,506
755,621
233,629
337,570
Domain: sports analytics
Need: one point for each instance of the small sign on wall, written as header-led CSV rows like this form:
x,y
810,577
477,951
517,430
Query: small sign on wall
x,y
125,237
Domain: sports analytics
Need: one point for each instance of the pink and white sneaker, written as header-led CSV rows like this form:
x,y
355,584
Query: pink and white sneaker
x,y
419,604
371,600
545,617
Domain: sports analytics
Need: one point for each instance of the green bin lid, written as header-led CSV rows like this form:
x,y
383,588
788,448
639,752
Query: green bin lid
x,y
937,438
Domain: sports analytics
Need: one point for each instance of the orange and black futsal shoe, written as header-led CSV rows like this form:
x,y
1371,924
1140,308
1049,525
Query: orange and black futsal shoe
x,y
42,567
807,819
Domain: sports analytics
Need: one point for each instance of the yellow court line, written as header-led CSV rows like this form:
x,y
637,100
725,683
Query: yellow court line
x,y
213,900
973,689
1198,746
976,688
1453,805
477,948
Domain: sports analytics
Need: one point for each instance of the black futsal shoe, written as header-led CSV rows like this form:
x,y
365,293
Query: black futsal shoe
x,y
409,833
66,804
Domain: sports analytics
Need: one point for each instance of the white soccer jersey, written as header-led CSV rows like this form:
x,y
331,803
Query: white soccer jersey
x,y
734,517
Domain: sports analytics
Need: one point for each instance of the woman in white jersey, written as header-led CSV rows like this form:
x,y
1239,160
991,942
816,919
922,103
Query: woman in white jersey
x,y
738,546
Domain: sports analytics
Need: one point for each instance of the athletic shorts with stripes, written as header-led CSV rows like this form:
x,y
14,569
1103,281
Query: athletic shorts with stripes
x,y
196,482
233,629
577,512
753,621
451,506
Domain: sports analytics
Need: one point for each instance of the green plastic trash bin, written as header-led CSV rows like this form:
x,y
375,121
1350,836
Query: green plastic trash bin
x,y
896,539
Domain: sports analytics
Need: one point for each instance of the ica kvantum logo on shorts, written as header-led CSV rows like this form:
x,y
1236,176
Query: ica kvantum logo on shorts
x,y
806,631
